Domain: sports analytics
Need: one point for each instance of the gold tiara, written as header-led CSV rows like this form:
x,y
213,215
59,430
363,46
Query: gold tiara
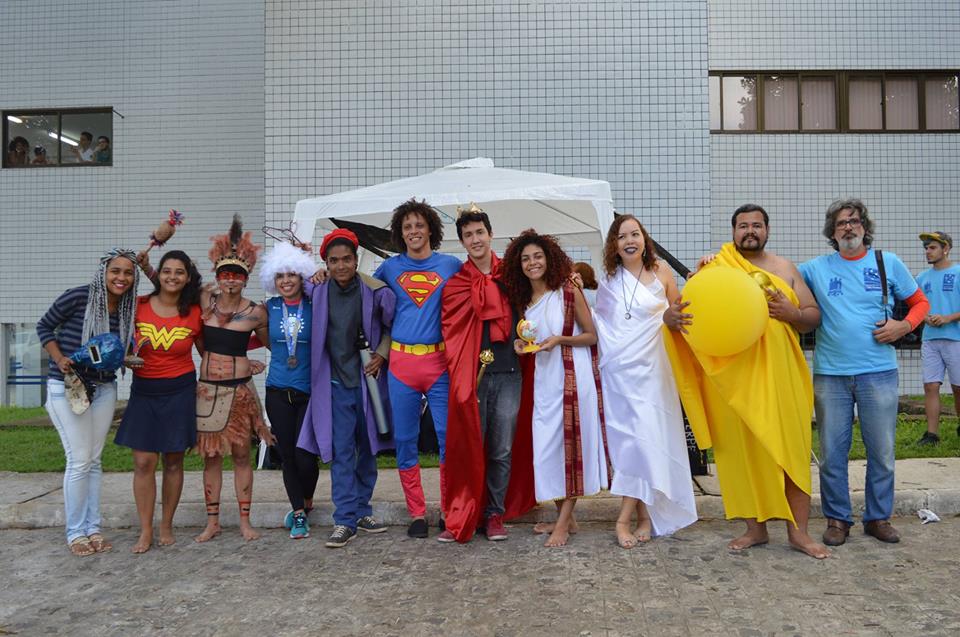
x,y
232,259
471,209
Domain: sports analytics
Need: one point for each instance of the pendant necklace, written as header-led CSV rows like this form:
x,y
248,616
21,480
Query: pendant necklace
x,y
623,290
291,328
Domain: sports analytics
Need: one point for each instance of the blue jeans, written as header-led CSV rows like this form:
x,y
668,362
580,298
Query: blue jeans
x,y
499,395
353,473
876,397
82,437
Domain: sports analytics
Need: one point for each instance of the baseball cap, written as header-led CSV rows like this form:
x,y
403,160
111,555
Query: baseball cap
x,y
938,236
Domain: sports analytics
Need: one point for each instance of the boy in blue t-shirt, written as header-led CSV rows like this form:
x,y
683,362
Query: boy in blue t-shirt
x,y
940,351
418,364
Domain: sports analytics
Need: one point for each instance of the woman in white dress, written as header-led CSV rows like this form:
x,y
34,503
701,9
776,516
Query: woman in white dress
x,y
644,423
568,447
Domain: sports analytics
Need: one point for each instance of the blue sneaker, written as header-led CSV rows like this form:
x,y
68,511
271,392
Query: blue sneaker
x,y
300,529
288,519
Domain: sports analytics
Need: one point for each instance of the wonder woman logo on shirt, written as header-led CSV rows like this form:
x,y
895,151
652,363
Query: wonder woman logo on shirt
x,y
420,286
162,338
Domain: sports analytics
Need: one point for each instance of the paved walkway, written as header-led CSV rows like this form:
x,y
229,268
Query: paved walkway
x,y
688,584
36,500
392,585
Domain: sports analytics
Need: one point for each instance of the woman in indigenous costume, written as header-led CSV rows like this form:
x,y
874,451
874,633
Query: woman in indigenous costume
x,y
568,447
641,407
228,410
282,273
105,306
161,415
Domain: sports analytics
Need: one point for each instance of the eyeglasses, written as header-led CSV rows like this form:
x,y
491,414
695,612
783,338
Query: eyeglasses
x,y
853,222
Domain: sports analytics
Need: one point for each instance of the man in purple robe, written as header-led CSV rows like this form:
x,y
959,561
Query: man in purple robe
x,y
340,427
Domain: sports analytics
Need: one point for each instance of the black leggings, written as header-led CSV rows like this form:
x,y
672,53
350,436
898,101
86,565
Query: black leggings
x,y
286,409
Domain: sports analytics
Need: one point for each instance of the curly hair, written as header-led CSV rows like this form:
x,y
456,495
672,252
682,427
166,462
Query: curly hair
x,y
838,206
611,256
559,266
190,294
425,212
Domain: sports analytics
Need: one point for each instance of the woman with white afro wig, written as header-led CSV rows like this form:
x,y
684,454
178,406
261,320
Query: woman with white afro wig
x,y
285,258
283,272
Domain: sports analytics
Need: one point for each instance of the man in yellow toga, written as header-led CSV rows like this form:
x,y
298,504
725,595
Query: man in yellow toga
x,y
754,408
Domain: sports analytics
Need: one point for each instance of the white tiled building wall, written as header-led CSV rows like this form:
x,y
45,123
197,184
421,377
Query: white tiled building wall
x,y
187,78
364,92
910,182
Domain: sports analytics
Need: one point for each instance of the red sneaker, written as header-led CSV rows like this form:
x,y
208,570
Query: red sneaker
x,y
446,537
495,529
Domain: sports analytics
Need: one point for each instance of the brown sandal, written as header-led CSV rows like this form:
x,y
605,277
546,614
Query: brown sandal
x,y
99,543
81,547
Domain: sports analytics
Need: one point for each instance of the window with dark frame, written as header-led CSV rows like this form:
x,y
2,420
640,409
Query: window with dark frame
x,y
34,138
834,101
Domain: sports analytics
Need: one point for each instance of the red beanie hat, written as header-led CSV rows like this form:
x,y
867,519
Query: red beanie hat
x,y
339,233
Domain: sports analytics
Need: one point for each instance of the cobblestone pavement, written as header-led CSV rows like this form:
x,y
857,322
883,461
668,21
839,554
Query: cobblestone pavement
x,y
689,584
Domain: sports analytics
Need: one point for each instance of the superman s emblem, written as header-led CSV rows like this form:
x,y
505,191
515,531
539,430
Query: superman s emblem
x,y
420,286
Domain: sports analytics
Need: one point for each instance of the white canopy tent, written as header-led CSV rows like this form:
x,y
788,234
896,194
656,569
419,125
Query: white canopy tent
x,y
577,211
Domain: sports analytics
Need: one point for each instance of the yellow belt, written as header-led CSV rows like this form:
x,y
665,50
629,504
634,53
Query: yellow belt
x,y
419,349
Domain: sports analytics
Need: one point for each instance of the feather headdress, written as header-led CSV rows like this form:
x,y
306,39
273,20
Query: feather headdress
x,y
234,248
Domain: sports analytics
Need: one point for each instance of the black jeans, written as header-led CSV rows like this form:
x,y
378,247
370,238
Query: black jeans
x,y
286,409
499,395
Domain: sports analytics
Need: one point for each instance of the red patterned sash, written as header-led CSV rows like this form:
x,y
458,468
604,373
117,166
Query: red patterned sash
x,y
572,441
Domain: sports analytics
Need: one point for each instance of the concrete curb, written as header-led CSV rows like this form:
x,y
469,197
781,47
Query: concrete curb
x,y
39,514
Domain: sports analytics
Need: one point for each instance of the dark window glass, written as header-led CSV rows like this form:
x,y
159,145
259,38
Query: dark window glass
x,y
36,139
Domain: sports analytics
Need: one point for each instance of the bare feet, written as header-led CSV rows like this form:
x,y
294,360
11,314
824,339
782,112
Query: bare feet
x,y
143,543
212,531
748,539
166,537
548,527
625,538
802,542
248,532
558,538
644,530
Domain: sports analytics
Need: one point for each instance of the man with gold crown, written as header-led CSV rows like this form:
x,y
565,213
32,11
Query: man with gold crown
x,y
754,408
484,385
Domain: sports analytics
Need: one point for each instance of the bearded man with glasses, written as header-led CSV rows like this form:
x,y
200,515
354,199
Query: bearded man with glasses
x,y
854,363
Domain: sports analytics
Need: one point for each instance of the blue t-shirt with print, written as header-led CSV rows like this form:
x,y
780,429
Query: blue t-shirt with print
x,y
942,288
280,375
850,298
418,284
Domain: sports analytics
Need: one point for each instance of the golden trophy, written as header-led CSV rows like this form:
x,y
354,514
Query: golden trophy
x,y
766,284
527,331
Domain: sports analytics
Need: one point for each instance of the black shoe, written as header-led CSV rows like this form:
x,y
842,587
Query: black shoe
x,y
442,525
418,529
340,536
928,438
369,524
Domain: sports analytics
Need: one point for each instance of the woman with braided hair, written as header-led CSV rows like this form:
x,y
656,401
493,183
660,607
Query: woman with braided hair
x,y
105,305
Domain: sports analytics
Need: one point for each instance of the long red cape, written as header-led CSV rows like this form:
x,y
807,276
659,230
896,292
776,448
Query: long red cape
x,y
469,298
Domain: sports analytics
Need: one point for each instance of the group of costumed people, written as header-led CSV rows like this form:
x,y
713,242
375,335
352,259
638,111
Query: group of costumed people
x,y
534,395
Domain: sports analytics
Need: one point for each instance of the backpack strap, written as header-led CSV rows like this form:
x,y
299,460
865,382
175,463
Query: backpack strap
x,y
883,278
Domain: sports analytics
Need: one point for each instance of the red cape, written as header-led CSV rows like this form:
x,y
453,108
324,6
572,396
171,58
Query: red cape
x,y
469,298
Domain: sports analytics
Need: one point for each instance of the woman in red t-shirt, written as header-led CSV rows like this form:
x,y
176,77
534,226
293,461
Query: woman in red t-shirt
x,y
161,414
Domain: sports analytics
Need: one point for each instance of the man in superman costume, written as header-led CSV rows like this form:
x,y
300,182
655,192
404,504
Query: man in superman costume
x,y
418,364
483,415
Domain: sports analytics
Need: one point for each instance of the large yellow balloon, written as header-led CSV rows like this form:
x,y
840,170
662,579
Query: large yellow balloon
x,y
729,311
